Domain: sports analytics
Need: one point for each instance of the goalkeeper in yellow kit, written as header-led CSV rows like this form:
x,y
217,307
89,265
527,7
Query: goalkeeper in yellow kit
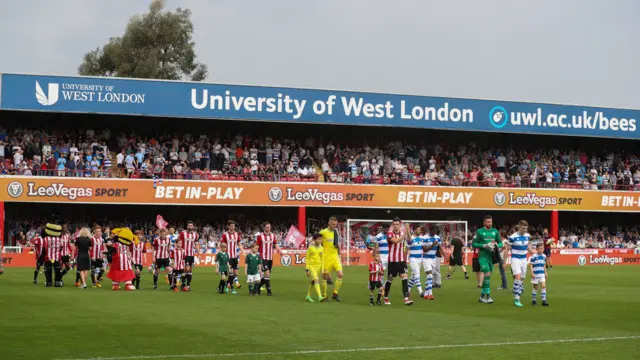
x,y
315,266
330,243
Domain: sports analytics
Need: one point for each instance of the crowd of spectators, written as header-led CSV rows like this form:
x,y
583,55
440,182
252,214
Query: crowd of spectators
x,y
245,157
56,153
578,237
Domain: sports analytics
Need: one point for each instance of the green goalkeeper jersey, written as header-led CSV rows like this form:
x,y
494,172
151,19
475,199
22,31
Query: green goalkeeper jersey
x,y
252,262
222,258
486,236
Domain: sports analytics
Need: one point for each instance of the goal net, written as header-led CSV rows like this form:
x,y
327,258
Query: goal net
x,y
358,233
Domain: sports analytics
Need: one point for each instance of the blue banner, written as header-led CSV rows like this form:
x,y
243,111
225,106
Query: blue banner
x,y
219,101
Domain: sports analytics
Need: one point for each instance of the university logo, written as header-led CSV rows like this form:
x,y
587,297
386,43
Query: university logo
x,y
47,99
285,260
582,260
499,198
15,189
275,194
498,117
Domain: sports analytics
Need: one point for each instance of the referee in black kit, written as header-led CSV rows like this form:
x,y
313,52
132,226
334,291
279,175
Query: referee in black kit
x,y
456,258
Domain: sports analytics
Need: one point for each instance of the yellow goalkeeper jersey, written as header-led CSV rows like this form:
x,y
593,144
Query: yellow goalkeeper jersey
x,y
330,250
315,257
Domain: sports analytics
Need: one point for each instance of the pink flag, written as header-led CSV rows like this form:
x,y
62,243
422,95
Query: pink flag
x,y
295,237
160,222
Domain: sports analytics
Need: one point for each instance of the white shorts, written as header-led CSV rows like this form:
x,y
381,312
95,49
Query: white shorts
x,y
429,264
415,265
384,258
253,278
538,280
519,267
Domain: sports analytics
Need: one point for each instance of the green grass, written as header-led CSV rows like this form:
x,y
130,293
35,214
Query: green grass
x,y
586,302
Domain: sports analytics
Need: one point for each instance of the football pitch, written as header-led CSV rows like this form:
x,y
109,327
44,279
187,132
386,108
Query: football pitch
x,y
594,314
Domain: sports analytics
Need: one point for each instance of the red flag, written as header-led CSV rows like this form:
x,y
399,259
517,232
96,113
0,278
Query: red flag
x,y
295,237
160,222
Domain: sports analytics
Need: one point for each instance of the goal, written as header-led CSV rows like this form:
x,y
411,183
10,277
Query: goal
x,y
356,231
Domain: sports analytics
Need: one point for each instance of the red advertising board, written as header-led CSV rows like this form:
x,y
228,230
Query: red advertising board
x,y
581,257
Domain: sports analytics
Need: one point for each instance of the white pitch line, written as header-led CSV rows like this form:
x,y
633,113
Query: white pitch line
x,y
332,351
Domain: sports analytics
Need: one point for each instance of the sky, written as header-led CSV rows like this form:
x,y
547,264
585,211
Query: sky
x,y
582,52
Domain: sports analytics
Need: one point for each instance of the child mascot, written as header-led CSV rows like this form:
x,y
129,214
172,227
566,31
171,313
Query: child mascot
x,y
121,270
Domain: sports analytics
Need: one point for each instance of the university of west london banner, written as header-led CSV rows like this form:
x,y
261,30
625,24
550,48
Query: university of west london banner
x,y
261,103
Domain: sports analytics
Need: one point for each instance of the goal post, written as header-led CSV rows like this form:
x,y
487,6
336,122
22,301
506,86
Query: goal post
x,y
356,231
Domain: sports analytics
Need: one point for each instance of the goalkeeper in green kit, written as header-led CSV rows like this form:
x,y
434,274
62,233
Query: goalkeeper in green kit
x,y
486,240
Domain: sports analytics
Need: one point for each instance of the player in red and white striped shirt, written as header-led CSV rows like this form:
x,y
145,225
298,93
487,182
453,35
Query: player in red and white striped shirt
x,y
137,257
397,259
267,242
161,255
376,273
189,239
53,254
67,250
96,252
38,245
178,260
232,238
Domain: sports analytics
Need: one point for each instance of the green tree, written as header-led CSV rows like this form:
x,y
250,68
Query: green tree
x,y
156,45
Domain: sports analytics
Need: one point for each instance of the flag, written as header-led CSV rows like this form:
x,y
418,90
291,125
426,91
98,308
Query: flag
x,y
161,223
295,237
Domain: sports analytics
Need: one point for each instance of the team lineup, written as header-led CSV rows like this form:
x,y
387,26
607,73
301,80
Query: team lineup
x,y
395,251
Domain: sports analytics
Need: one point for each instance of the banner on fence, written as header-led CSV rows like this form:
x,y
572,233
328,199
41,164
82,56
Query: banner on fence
x,y
579,257
246,193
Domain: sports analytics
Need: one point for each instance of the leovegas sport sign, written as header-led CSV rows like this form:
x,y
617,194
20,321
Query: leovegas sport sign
x,y
192,192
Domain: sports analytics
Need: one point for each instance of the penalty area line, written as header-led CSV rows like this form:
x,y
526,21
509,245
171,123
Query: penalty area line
x,y
355,350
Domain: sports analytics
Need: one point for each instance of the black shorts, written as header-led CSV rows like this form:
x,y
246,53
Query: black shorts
x,y
224,273
375,285
397,268
66,259
40,260
456,261
267,265
233,264
475,265
162,264
97,263
547,252
138,267
176,271
189,260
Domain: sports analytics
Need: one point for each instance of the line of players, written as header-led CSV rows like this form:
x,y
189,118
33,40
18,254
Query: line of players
x,y
392,251
486,243
173,256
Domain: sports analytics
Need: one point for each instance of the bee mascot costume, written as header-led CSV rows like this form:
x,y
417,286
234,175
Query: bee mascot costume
x,y
120,250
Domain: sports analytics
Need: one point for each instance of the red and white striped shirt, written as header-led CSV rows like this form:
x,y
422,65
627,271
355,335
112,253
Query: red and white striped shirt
x,y
97,247
124,257
265,245
136,252
231,239
38,245
177,258
52,246
374,271
66,245
396,251
161,247
188,239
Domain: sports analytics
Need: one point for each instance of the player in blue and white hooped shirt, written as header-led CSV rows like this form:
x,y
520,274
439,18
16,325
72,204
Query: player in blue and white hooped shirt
x,y
539,275
382,247
518,243
430,246
415,259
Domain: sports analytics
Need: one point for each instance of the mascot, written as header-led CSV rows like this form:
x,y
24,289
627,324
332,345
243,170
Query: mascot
x,y
119,248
